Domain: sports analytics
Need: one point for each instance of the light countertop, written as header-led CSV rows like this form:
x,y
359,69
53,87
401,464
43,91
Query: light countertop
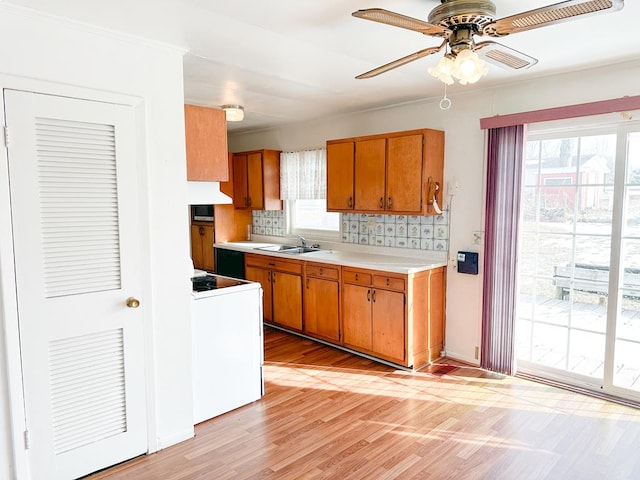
x,y
372,261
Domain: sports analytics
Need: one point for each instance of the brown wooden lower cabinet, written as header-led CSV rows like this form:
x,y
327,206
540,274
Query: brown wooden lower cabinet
x,y
287,299
388,324
356,317
399,318
322,302
202,239
374,319
262,276
395,317
281,282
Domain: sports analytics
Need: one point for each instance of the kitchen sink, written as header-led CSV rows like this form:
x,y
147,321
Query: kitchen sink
x,y
290,249
297,250
277,248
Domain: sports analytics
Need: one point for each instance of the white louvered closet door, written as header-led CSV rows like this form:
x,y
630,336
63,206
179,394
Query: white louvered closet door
x,y
74,191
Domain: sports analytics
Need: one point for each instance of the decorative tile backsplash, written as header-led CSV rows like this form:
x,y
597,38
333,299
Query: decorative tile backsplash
x,y
400,231
268,222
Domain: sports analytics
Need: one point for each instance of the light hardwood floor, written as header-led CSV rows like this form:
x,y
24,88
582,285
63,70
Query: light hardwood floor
x,y
328,414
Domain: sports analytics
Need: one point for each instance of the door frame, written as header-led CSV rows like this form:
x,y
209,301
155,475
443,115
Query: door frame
x,y
9,315
616,263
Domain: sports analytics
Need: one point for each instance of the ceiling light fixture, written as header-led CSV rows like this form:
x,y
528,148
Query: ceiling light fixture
x,y
234,113
468,67
465,66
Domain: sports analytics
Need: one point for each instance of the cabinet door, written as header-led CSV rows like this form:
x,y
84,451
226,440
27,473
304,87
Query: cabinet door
x,y
196,247
254,181
340,157
321,313
202,247
263,276
240,192
356,316
206,143
388,321
369,175
287,300
404,174
206,236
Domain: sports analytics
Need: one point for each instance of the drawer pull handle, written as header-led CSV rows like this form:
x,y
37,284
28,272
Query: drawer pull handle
x,y
388,282
320,271
381,202
350,202
373,297
389,203
368,295
201,231
356,277
271,264
307,284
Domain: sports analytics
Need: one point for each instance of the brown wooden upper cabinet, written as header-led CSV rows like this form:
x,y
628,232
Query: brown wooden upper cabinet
x,y
394,173
206,144
256,180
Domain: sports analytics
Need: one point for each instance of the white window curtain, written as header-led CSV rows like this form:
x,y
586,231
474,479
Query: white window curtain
x,y
303,175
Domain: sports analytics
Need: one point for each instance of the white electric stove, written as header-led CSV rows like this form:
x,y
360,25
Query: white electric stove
x,y
227,344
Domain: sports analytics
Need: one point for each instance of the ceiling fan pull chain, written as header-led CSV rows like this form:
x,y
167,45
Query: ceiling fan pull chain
x,y
445,103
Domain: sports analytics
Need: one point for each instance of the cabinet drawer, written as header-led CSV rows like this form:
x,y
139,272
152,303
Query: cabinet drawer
x,y
359,278
391,283
323,271
273,263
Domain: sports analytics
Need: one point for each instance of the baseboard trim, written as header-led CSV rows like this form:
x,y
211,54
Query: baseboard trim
x,y
164,442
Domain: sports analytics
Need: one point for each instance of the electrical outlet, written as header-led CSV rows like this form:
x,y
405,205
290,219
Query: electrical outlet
x,y
478,238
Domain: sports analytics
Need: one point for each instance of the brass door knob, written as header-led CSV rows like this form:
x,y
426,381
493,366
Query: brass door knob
x,y
133,302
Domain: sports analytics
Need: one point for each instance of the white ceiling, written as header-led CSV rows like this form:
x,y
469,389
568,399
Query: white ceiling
x,y
292,60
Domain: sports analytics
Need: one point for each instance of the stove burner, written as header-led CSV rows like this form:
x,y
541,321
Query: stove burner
x,y
202,284
212,282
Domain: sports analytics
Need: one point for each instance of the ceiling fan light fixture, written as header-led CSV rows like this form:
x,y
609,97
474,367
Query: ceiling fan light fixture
x,y
465,66
444,70
234,113
468,67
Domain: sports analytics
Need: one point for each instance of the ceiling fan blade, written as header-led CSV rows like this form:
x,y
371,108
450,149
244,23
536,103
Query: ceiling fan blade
x,y
396,20
503,56
401,61
549,15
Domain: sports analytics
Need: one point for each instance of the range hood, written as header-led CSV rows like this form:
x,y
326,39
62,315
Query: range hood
x,y
206,193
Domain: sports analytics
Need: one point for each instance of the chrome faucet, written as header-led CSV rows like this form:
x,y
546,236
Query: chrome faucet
x,y
302,240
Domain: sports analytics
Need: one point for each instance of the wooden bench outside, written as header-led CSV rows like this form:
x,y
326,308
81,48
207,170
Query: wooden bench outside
x,y
593,279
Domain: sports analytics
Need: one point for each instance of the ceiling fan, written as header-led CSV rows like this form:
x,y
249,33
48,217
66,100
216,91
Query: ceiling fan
x,y
457,22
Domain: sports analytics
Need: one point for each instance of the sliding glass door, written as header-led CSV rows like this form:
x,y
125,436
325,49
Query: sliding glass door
x,y
624,344
579,281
